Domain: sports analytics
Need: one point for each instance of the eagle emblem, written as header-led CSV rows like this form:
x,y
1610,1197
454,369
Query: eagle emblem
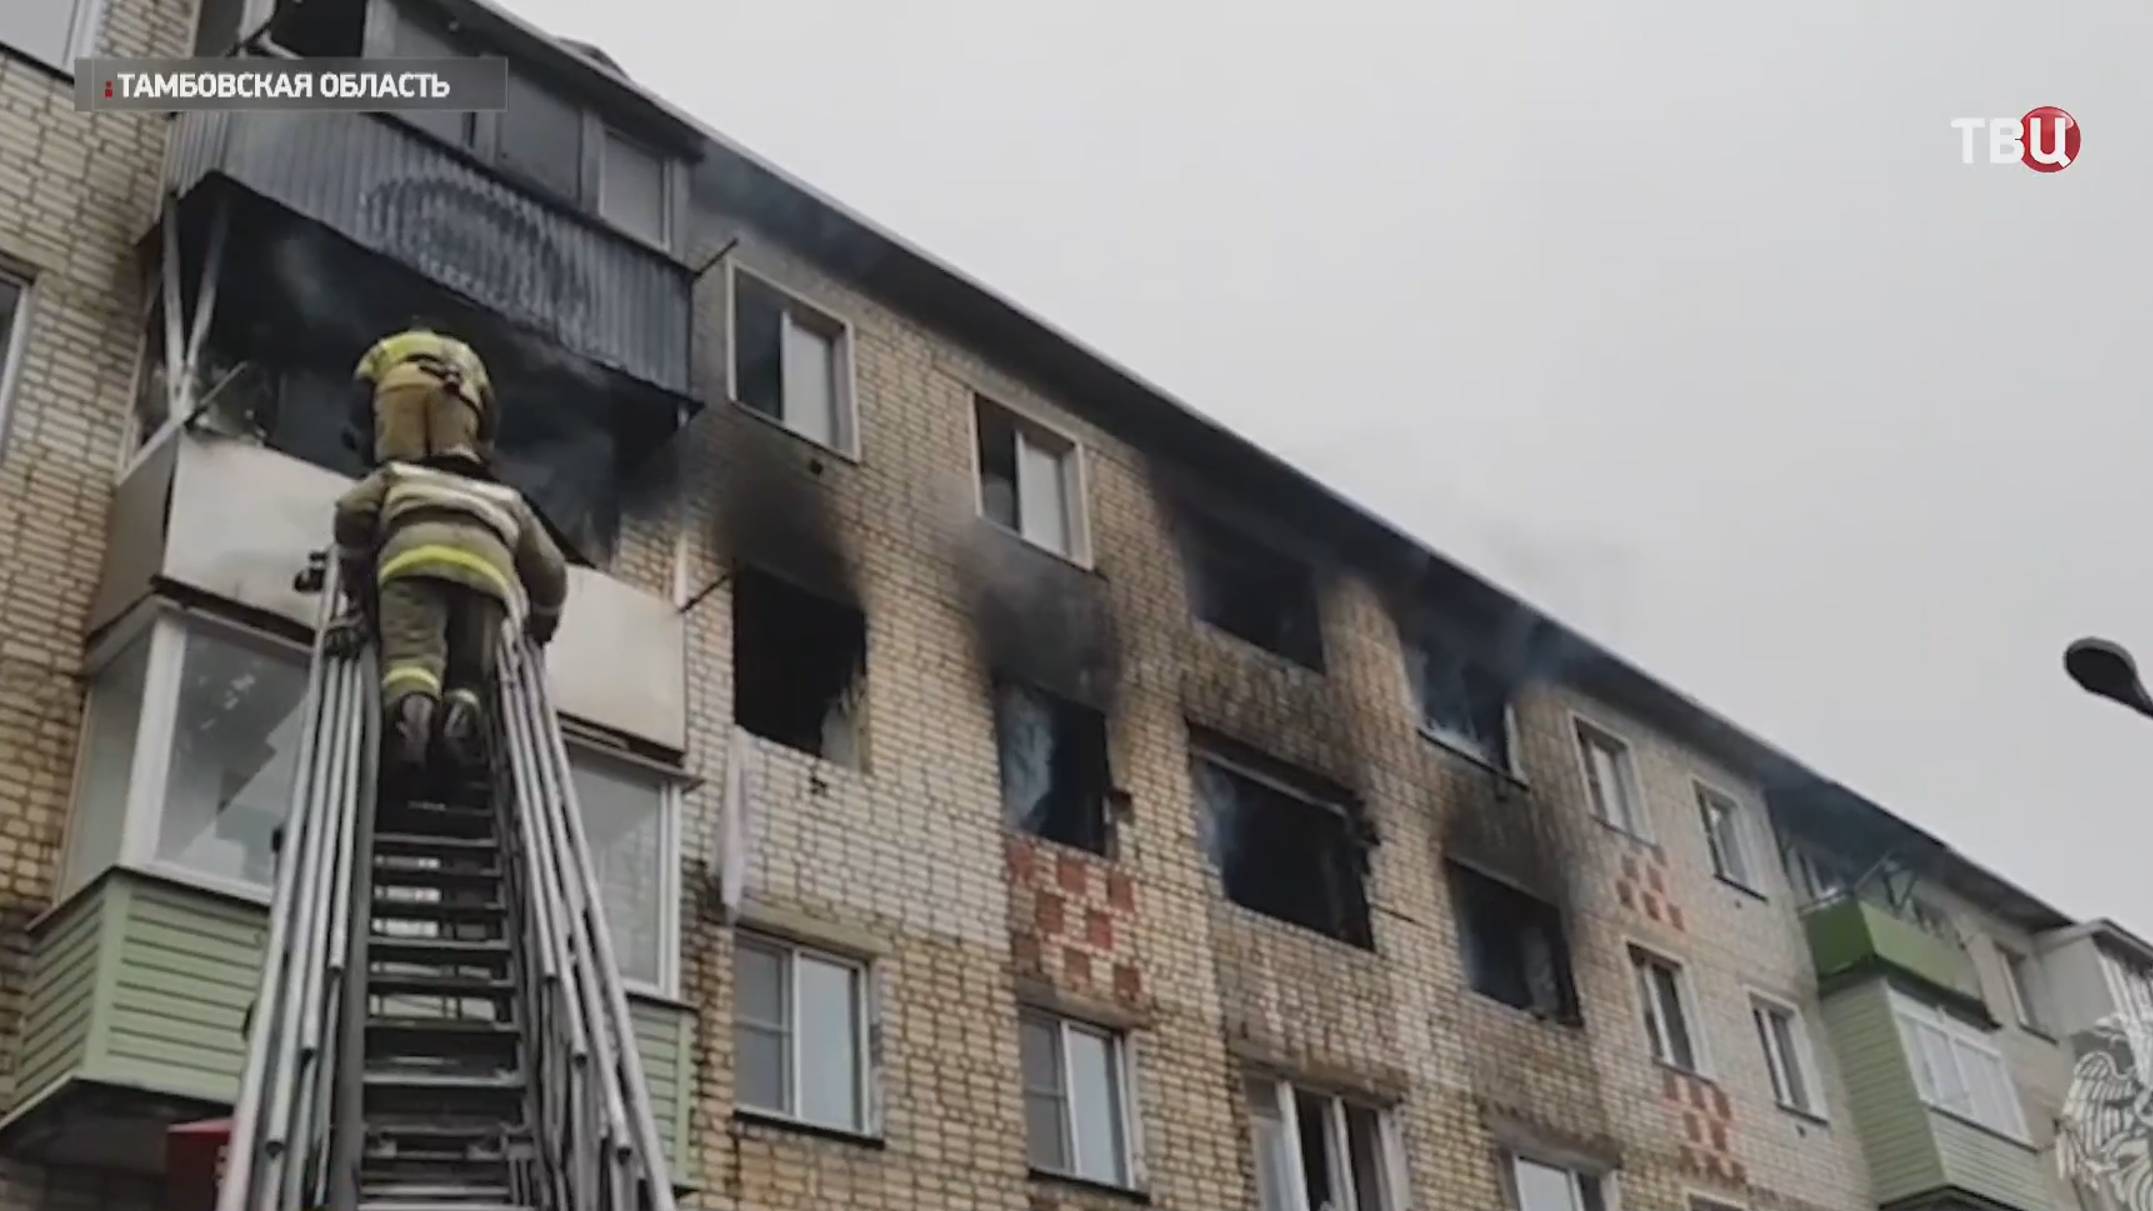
x,y
2104,1138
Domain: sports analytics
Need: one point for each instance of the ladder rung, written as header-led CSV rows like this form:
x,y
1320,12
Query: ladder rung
x,y
435,1191
387,985
436,910
432,845
393,874
401,1205
441,951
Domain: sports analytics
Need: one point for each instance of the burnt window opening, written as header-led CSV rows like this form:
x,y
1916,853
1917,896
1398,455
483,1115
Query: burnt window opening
x,y
1285,852
320,29
1462,703
1513,946
1258,594
799,666
1052,751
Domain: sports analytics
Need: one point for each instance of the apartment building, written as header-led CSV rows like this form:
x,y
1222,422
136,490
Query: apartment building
x,y
1009,788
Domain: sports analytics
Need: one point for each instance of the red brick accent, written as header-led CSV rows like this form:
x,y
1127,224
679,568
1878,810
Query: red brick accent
x,y
1652,907
1674,917
1719,1103
1128,985
1689,1158
1072,874
1653,880
1047,911
1719,1137
1697,1093
1018,851
1711,1165
1099,929
1624,894
1692,1128
1670,1088
1629,867
1076,965
1739,1171
1120,891
1024,951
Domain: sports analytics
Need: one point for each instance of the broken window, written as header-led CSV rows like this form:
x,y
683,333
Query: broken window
x,y
1257,594
1315,1152
792,363
1028,480
1513,946
1462,703
1283,852
541,137
1053,761
798,665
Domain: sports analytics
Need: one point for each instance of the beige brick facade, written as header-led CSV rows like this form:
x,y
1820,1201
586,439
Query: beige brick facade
x,y
904,861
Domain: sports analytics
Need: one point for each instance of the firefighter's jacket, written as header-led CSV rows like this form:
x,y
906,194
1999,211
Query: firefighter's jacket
x,y
431,396
408,520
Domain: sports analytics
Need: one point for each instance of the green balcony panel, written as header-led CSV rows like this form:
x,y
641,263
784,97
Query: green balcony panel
x,y
138,994
1853,937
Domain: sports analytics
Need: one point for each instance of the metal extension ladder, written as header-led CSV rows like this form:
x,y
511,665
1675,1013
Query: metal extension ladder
x,y
440,1024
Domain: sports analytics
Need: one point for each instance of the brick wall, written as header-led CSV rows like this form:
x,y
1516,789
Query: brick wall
x,y
75,193
971,921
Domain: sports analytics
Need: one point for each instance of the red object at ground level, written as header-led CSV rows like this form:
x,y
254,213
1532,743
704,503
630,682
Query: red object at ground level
x,y
193,1163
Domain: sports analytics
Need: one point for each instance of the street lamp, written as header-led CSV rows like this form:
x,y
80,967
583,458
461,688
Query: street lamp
x,y
2102,667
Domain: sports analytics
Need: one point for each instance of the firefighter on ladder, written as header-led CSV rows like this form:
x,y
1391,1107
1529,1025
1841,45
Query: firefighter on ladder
x,y
436,554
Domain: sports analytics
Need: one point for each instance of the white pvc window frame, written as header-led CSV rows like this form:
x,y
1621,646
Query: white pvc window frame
x,y
1279,1094
1652,1014
166,628
865,1013
1915,1019
1803,1061
1121,1070
1601,1196
15,343
1628,792
1739,867
1074,478
669,785
844,347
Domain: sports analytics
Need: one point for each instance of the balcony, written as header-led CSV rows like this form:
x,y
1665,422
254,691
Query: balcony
x,y
1851,937
234,521
134,1019
381,184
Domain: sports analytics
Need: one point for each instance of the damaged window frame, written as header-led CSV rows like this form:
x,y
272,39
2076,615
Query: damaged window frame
x,y
1028,431
1277,1152
1062,711
1467,881
1733,858
1209,541
1354,914
1654,1010
850,701
1420,653
844,439
1629,791
1590,1188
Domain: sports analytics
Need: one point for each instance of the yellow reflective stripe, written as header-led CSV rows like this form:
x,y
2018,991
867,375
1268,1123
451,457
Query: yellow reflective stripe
x,y
435,553
411,672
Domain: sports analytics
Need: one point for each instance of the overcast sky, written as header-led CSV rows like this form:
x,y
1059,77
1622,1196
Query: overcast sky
x,y
1683,321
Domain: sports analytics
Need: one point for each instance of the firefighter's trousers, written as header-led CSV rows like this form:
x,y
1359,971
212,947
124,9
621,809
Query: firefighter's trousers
x,y
417,415
438,638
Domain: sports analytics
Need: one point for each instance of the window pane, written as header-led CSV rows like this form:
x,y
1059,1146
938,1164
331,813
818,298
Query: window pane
x,y
758,373
829,1043
1947,1086
107,764
810,382
1544,1188
39,29
1312,1117
418,38
1274,1166
1046,1132
759,990
1648,996
631,188
235,733
1042,508
1796,1092
1364,1137
997,465
542,137
623,814
762,1068
1673,1015
1095,1107
1768,1041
